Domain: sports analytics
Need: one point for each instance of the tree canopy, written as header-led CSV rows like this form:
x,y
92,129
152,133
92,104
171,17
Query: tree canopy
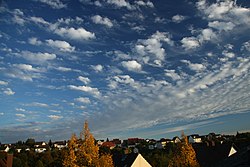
x,y
84,152
183,155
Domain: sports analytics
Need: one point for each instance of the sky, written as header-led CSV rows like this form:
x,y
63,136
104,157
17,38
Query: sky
x,y
141,68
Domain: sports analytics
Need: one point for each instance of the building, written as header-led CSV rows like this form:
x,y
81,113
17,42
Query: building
x,y
135,160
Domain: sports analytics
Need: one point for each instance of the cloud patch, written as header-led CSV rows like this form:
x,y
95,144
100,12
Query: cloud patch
x,y
75,34
8,92
61,45
55,4
132,65
97,19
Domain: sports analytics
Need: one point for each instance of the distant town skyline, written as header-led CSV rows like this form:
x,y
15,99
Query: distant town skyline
x,y
142,68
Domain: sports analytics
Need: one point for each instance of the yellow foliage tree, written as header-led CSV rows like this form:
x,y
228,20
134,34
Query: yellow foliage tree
x,y
86,152
183,155
70,158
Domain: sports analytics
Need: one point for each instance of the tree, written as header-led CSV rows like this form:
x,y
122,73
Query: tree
x,y
183,155
70,158
85,152
39,163
88,150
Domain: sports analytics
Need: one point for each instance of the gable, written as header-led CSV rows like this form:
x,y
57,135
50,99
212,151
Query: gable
x,y
232,151
140,162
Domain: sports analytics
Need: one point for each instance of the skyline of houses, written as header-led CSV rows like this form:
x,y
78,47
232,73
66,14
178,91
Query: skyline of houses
x,y
211,149
42,146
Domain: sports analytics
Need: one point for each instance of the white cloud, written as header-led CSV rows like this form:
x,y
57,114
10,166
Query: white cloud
x,y
206,35
36,104
75,34
85,80
24,72
55,117
172,74
8,92
97,68
20,109
121,3
68,21
34,41
84,100
55,4
87,89
61,45
132,65
194,66
3,83
18,17
246,46
64,69
151,48
228,54
143,3
190,43
225,13
221,26
123,79
178,18
20,115
38,58
97,19
27,67
39,20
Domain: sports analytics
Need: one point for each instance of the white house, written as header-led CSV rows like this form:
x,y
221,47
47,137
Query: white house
x,y
40,149
194,139
5,148
60,144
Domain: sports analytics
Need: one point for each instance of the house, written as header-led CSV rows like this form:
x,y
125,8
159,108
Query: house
x,y
41,149
5,148
109,145
60,144
132,142
176,139
100,142
117,142
38,144
194,139
162,143
134,160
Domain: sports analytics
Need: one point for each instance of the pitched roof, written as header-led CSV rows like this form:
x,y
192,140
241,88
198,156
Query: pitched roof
x,y
108,144
135,160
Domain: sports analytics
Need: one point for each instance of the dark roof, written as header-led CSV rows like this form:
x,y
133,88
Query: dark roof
x,y
209,155
240,158
129,159
212,155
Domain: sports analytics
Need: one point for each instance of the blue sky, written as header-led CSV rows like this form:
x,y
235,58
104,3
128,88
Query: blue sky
x,y
139,68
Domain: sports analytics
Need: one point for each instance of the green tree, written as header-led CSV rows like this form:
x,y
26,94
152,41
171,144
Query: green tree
x,y
183,155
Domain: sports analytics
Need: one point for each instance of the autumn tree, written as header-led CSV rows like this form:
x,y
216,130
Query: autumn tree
x,y
70,158
84,152
183,155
